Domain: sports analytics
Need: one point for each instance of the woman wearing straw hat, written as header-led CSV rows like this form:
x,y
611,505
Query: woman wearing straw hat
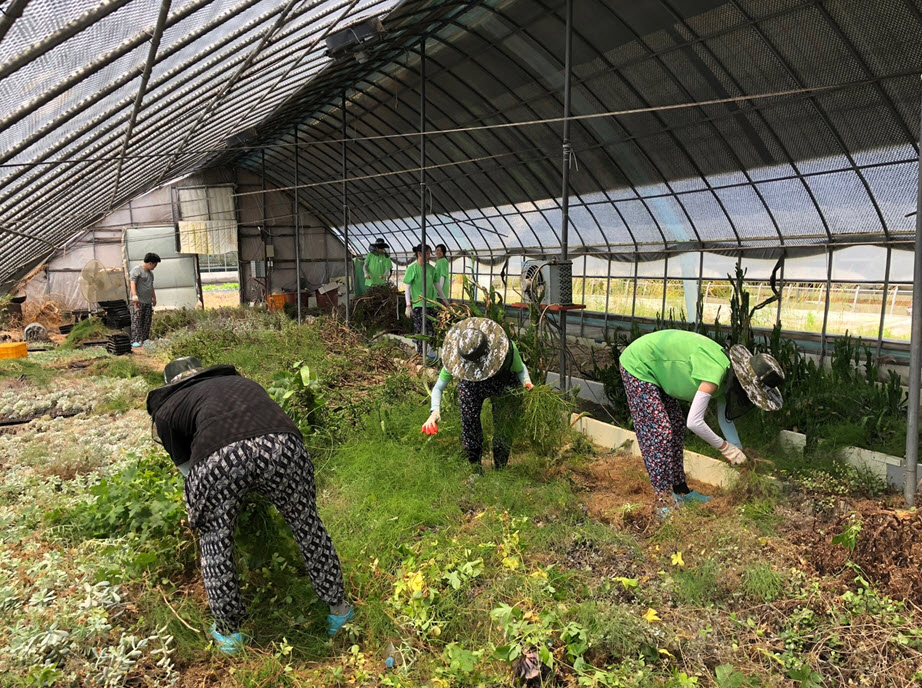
x,y
488,365
378,265
662,368
230,439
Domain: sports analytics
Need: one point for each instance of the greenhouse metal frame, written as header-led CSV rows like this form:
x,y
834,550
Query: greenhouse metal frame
x,y
654,140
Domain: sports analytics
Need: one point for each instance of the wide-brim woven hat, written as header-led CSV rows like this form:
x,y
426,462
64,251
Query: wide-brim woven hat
x,y
759,376
474,349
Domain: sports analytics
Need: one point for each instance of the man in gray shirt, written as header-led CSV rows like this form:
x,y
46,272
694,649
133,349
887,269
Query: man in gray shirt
x,y
143,298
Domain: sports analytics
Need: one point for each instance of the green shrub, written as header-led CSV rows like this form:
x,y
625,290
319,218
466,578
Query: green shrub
x,y
145,500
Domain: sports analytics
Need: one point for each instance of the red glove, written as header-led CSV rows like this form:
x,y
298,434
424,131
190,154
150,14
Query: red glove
x,y
430,427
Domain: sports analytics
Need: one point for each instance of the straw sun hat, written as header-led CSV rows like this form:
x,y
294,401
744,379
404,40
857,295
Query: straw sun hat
x,y
474,349
760,377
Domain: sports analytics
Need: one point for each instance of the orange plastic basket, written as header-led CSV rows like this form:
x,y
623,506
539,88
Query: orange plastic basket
x,y
13,350
276,302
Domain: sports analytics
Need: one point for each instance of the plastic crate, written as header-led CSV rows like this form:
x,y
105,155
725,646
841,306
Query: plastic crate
x,y
13,350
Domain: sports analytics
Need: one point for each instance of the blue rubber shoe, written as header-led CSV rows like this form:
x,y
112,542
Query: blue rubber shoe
x,y
692,497
228,644
334,622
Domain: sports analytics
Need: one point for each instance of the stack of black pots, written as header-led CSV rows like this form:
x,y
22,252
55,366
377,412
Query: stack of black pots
x,y
118,344
117,314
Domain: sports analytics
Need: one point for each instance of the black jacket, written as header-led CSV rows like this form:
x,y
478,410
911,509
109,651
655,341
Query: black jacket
x,y
197,416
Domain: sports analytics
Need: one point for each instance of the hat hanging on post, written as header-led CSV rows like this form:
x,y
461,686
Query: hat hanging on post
x,y
474,349
760,376
379,243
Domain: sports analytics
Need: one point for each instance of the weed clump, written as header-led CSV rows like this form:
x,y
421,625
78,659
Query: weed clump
x,y
544,420
85,330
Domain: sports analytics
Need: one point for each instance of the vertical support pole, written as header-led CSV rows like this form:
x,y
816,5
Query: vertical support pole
x,y
915,356
582,315
829,255
665,286
699,312
422,184
297,225
780,295
634,295
883,304
607,293
265,229
564,384
346,261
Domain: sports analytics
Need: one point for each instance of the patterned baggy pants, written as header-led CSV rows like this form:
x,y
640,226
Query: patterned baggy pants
x,y
660,426
418,327
141,317
471,396
277,467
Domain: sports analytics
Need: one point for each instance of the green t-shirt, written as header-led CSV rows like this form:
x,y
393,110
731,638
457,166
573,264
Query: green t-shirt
x,y
676,361
414,278
512,363
379,267
442,271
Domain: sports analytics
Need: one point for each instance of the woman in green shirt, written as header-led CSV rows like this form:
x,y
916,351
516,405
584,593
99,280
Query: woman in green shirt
x,y
378,265
662,368
413,291
479,353
442,272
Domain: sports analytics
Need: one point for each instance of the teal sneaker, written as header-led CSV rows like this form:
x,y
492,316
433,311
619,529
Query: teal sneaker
x,y
692,498
335,622
228,644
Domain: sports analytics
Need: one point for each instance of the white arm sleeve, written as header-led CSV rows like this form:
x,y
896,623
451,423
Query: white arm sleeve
x,y
437,390
524,377
406,294
696,423
438,288
729,429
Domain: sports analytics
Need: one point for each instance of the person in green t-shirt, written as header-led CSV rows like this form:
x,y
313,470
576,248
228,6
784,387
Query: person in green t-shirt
x,y
662,368
378,265
442,272
489,366
414,293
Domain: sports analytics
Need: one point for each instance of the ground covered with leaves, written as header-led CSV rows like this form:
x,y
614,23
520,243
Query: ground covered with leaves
x,y
554,570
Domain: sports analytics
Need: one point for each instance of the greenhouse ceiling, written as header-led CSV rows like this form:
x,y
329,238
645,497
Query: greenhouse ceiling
x,y
729,126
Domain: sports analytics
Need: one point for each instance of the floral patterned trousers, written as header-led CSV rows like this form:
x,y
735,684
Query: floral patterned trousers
x,y
660,426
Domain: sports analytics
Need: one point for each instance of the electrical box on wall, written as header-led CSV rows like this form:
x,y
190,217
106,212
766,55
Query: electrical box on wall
x,y
270,251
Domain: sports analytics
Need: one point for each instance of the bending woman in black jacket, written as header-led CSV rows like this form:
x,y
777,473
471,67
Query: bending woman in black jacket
x,y
227,436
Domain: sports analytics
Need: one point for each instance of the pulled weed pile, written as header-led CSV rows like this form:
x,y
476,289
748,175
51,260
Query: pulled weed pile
x,y
379,310
543,418
91,329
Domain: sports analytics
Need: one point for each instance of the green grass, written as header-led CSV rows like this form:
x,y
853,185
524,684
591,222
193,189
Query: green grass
x,y
761,583
227,286
123,367
401,507
36,373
